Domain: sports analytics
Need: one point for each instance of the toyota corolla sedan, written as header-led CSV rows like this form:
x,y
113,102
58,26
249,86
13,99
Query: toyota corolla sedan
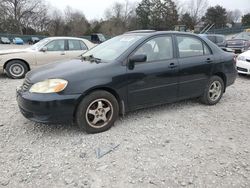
x,y
17,62
135,70
243,63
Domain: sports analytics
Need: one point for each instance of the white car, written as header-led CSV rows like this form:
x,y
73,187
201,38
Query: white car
x,y
243,63
17,62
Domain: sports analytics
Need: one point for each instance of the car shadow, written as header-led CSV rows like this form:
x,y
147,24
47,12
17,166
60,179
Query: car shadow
x,y
159,108
62,129
4,76
244,76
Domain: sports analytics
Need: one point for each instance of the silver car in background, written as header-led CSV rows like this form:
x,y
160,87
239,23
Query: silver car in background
x,y
17,62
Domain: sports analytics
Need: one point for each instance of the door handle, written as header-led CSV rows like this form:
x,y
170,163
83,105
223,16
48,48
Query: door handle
x,y
208,60
172,65
62,53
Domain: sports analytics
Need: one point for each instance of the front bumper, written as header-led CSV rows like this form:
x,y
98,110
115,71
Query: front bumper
x,y
243,67
47,108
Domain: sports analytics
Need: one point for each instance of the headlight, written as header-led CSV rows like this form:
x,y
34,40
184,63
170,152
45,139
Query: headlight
x,y
49,86
241,58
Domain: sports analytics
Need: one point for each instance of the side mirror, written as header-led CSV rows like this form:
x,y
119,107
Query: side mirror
x,y
136,59
44,49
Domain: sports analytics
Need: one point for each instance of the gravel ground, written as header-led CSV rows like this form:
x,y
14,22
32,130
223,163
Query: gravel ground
x,y
185,144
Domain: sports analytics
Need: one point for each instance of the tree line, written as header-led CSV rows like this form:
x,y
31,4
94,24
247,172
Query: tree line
x,y
37,17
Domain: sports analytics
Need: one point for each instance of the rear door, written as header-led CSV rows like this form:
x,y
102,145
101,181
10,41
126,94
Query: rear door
x,y
56,51
156,80
75,48
195,61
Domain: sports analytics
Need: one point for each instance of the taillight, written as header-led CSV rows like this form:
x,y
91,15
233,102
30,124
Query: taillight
x,y
235,59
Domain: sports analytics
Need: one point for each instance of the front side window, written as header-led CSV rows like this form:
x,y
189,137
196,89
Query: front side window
x,y
56,45
74,45
157,49
190,46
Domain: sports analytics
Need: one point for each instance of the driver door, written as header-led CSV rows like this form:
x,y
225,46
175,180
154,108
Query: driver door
x,y
54,51
156,80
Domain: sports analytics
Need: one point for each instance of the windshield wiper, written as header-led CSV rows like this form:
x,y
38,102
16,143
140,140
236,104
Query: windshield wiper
x,y
91,58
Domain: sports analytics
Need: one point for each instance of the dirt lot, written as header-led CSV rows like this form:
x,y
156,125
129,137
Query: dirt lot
x,y
183,144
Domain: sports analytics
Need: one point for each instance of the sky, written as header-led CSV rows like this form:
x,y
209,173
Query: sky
x,y
94,9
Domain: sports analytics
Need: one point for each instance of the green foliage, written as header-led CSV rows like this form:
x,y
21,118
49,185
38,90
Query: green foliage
x,y
187,20
246,20
157,14
216,15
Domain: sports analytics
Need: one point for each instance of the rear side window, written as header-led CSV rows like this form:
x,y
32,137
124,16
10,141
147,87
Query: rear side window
x,y
74,45
191,46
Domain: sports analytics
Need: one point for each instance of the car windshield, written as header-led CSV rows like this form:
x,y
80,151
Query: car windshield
x,y
102,38
244,35
113,48
40,44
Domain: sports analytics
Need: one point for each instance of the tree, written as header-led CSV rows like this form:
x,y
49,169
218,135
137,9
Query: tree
x,y
196,9
119,18
170,14
187,20
157,14
18,11
233,16
216,15
246,20
76,23
143,12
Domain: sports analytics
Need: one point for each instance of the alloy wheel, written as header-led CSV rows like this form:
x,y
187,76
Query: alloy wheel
x,y
99,113
215,91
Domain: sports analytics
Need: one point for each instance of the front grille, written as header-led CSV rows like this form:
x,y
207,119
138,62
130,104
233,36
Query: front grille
x,y
26,85
242,69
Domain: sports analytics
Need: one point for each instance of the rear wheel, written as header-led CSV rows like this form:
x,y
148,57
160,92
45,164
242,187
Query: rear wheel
x,y
97,112
213,91
16,69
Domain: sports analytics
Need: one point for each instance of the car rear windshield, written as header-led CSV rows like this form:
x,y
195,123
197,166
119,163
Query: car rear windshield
x,y
113,48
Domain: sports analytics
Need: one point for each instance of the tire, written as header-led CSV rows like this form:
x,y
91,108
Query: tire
x,y
16,69
213,91
94,109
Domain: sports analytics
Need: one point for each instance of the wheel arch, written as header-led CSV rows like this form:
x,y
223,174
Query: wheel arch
x,y
223,77
5,64
107,89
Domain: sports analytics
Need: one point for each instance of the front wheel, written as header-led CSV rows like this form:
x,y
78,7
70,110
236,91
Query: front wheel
x,y
16,69
97,112
213,91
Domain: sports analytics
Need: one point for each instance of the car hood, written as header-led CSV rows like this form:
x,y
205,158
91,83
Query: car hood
x,y
15,51
246,54
68,70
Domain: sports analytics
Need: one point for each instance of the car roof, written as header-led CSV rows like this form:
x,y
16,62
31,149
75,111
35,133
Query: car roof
x,y
52,38
153,32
